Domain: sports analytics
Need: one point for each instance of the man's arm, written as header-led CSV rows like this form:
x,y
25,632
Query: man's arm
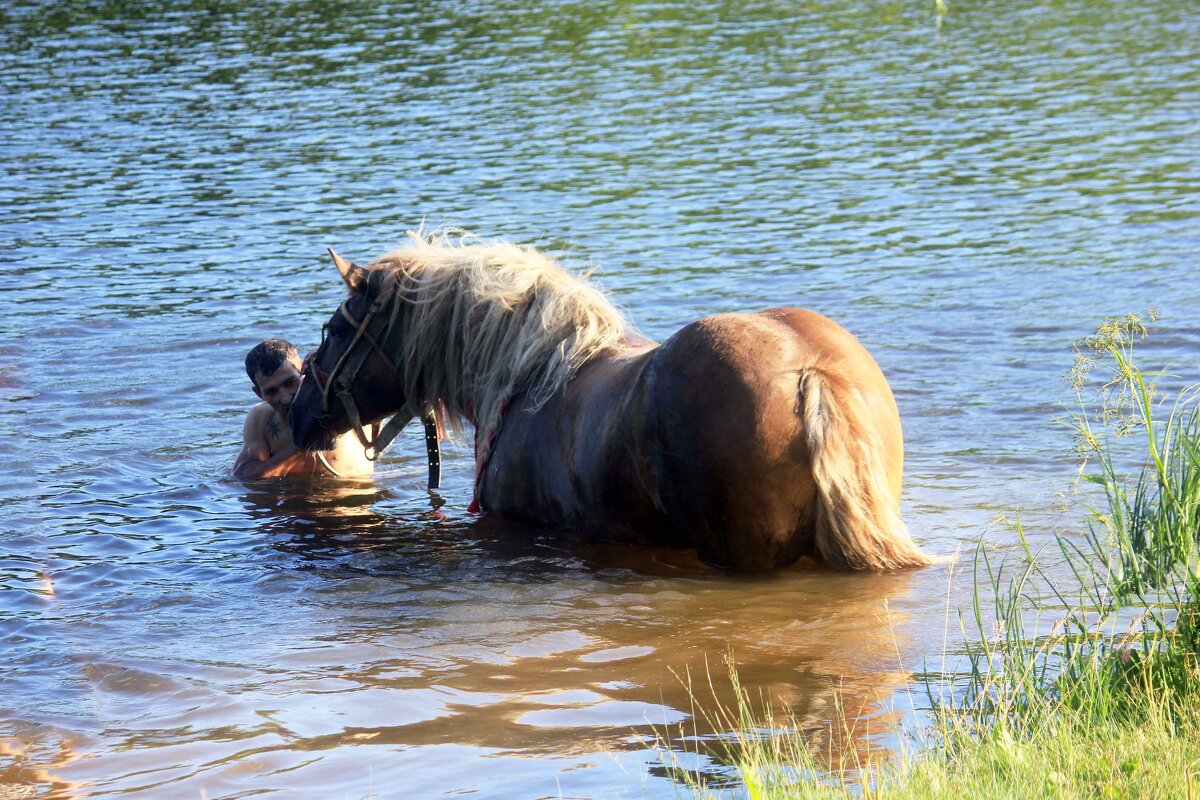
x,y
256,461
290,460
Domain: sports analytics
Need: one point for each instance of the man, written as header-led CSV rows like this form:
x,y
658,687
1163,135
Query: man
x,y
267,448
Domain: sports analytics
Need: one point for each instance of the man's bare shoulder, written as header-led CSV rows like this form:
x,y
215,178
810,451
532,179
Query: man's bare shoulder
x,y
259,415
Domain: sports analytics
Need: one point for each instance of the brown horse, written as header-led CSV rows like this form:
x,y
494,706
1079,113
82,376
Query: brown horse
x,y
755,438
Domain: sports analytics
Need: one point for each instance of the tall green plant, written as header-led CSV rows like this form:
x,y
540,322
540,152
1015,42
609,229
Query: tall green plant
x,y
1153,531
1128,624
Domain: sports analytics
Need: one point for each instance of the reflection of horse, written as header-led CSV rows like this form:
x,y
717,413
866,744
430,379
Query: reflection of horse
x,y
757,438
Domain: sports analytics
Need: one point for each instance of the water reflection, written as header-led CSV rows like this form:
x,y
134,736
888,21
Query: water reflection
x,y
31,758
322,506
575,664
618,620
369,631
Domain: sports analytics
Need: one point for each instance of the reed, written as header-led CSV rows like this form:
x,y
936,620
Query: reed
x,y
1095,694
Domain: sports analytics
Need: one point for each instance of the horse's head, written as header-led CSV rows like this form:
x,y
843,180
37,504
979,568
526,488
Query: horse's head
x,y
350,381
447,321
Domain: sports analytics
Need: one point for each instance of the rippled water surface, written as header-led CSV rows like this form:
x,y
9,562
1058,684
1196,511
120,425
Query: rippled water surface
x,y
966,198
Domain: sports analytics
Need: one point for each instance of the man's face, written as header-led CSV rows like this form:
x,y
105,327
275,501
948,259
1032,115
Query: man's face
x,y
278,388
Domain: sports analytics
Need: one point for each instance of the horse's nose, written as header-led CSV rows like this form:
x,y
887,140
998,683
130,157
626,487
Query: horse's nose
x,y
301,425
309,431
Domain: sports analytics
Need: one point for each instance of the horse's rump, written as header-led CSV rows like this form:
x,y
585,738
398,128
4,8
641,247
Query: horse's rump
x,y
779,438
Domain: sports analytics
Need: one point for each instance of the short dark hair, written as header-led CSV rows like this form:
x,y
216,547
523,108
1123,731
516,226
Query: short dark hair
x,y
268,356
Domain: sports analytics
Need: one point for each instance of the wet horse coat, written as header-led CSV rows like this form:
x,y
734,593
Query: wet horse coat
x,y
756,438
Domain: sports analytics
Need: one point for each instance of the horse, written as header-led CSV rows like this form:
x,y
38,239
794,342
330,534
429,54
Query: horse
x,y
755,438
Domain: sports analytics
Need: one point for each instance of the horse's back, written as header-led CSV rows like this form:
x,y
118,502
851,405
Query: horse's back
x,y
742,461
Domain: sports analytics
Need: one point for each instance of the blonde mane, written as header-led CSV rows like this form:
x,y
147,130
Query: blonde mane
x,y
475,322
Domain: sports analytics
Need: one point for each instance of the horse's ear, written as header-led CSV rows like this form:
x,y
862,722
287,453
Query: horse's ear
x,y
354,275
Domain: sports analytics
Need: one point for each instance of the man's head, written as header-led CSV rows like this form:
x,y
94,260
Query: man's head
x,y
274,369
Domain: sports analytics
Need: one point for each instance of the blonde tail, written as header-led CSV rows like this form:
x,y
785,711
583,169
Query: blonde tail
x,y
858,523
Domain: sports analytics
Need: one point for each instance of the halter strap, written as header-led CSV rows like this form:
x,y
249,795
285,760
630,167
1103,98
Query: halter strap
x,y
351,353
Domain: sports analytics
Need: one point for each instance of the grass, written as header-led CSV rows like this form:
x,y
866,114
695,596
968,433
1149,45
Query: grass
x,y
1095,694
1065,757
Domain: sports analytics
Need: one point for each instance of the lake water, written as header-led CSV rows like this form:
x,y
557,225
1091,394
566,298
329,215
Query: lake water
x,y
966,198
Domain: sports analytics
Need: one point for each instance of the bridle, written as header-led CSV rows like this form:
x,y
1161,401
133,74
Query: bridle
x,y
339,381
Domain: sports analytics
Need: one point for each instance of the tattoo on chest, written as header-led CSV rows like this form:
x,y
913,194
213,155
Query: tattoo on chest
x,y
273,427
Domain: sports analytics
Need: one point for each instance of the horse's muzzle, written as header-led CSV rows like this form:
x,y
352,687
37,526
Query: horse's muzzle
x,y
311,433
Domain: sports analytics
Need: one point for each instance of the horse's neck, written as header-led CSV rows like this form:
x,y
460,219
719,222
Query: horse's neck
x,y
560,456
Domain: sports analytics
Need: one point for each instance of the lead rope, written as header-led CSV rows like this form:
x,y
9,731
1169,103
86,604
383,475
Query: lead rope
x,y
433,447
